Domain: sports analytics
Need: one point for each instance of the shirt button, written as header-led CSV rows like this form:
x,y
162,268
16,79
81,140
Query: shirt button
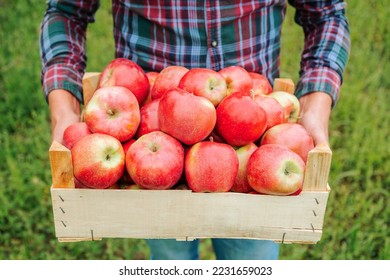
x,y
214,44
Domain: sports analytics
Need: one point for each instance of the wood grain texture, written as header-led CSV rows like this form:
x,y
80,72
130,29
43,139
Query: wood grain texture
x,y
84,214
61,166
286,85
317,169
90,83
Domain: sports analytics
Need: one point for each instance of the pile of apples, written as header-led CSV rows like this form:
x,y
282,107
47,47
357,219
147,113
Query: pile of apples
x,y
209,131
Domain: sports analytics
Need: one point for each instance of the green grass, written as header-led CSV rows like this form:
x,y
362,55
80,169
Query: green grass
x,y
357,218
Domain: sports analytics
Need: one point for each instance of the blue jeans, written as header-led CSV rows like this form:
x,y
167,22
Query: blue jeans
x,y
225,249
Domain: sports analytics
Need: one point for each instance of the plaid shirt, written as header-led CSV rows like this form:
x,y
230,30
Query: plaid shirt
x,y
212,34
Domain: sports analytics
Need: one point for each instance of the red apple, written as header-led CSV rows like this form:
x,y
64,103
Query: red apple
x,y
114,111
126,73
79,185
187,117
237,80
298,192
126,179
98,160
126,145
290,103
276,170
241,184
155,161
291,135
240,120
273,109
149,118
152,76
168,78
210,167
74,133
261,85
205,82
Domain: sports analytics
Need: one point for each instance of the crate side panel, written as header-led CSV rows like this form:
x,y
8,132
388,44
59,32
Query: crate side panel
x,y
181,214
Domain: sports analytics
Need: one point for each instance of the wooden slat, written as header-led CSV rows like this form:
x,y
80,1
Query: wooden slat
x,y
286,85
80,214
90,84
61,166
317,169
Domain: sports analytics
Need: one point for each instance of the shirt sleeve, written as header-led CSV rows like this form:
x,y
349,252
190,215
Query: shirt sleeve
x,y
326,48
62,45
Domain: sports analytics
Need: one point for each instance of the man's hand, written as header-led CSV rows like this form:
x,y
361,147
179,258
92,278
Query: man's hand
x,y
64,111
315,112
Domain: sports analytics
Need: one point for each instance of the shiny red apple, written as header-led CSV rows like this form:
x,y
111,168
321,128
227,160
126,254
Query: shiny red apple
x,y
261,85
240,120
168,78
149,118
291,135
276,170
205,82
155,161
210,167
98,160
126,73
114,111
237,80
187,117
241,184
274,111
74,133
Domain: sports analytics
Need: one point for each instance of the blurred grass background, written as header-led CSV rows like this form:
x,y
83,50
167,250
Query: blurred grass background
x,y
357,218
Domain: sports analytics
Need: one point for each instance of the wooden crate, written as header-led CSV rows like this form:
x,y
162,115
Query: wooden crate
x,y
88,214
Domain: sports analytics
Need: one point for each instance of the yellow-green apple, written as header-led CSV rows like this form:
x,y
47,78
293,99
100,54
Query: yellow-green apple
x,y
74,133
261,85
241,184
114,111
291,135
275,169
187,117
272,108
237,79
155,161
152,76
290,103
168,78
210,167
126,73
240,120
98,160
205,82
149,118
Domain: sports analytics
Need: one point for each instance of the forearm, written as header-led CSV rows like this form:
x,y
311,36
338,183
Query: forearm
x,y
315,115
62,45
326,48
64,111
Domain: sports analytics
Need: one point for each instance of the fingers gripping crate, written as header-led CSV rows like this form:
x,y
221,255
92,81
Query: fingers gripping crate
x,y
89,214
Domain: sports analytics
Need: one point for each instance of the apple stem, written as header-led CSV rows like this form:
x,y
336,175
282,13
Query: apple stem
x,y
108,157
